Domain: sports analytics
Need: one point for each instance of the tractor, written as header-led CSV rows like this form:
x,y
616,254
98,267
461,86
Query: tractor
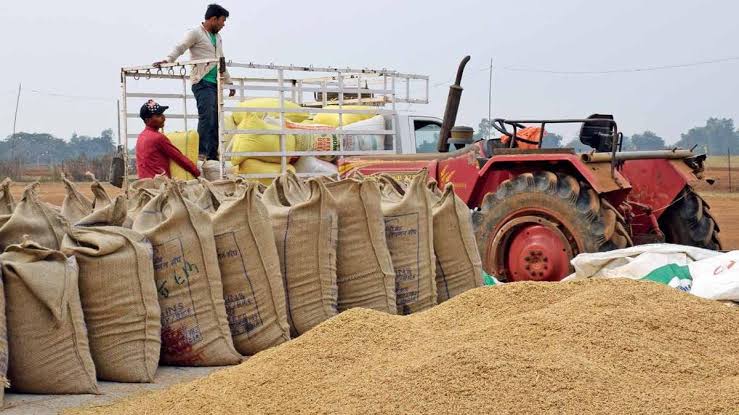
x,y
535,208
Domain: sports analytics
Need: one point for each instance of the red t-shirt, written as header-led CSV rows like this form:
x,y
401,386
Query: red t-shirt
x,y
153,153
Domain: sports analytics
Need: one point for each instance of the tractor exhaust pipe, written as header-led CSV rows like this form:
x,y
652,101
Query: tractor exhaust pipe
x,y
452,106
636,155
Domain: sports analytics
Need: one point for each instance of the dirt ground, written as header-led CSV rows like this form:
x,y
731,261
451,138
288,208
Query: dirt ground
x,y
723,204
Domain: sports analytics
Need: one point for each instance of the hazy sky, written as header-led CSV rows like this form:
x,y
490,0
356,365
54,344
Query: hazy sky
x,y
76,48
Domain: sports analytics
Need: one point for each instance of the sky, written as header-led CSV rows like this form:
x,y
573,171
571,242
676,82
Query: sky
x,y
68,55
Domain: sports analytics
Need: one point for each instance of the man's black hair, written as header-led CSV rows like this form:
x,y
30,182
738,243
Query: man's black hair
x,y
215,10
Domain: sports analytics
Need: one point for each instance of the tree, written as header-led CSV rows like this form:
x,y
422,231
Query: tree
x,y
647,141
46,149
552,140
627,145
718,135
578,146
483,129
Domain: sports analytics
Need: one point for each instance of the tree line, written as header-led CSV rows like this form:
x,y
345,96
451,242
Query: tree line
x,y
717,137
45,149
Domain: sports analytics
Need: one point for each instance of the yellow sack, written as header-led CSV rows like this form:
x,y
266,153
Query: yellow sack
x,y
228,124
269,103
254,166
187,143
333,119
259,142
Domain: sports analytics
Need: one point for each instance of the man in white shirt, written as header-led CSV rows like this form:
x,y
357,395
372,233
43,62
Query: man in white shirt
x,y
204,42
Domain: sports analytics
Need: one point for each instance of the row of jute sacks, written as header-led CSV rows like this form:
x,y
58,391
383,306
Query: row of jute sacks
x,y
203,273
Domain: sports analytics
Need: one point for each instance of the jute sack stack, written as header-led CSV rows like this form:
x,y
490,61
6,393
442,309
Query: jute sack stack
x,y
75,205
47,339
458,264
7,203
410,239
364,268
3,343
250,272
194,323
33,218
306,234
119,297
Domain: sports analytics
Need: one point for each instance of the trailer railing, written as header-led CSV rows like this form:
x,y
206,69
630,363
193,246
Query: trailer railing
x,y
313,88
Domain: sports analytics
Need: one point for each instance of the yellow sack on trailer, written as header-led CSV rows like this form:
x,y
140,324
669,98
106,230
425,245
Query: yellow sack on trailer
x,y
333,119
259,142
254,166
187,143
269,103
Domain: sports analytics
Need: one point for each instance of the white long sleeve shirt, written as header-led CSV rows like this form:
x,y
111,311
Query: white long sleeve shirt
x,y
198,42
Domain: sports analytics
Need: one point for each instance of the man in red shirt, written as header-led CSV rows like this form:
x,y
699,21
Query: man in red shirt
x,y
153,149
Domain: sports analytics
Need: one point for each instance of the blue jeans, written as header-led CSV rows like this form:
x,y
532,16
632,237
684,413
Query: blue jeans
x,y
206,95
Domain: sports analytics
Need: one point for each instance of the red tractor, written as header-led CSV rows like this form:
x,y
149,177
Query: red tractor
x,y
536,208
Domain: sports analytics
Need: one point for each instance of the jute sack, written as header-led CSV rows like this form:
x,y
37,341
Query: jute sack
x,y
194,323
458,264
114,214
250,272
410,239
33,218
47,339
136,203
7,203
191,189
305,233
119,297
101,199
3,343
75,205
207,200
223,188
154,183
364,268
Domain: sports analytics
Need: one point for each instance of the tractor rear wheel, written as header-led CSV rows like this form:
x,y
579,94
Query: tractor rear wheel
x,y
688,221
534,223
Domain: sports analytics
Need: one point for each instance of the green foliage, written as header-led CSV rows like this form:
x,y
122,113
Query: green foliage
x,y
46,149
718,136
647,141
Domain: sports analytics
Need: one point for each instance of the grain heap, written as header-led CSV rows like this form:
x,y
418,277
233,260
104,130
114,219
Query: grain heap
x,y
597,346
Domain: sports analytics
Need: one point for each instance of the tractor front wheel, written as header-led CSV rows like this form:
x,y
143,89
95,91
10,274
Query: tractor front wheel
x,y
532,226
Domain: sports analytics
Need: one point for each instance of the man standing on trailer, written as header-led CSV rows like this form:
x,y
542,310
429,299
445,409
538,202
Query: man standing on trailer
x,y
204,42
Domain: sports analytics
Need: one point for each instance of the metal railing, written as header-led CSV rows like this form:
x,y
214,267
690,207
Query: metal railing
x,y
312,88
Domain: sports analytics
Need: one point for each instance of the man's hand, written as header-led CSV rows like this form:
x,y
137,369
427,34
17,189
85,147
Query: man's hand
x,y
231,92
158,64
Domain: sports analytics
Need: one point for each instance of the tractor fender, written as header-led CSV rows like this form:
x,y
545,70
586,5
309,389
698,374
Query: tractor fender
x,y
503,167
657,182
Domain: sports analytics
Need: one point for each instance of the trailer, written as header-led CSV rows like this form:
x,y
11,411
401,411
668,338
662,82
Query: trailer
x,y
317,90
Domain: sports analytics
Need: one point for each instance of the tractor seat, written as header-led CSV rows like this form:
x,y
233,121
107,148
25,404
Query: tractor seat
x,y
598,134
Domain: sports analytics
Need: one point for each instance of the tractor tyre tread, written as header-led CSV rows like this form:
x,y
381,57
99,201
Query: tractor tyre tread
x,y
688,221
596,222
